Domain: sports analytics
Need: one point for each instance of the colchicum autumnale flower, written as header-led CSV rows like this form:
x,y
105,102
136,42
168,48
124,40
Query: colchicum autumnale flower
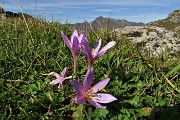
x,y
59,78
74,45
94,54
86,92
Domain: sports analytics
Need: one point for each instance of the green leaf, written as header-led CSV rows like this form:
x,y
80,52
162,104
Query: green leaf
x,y
139,84
143,112
101,113
175,69
31,77
39,85
78,113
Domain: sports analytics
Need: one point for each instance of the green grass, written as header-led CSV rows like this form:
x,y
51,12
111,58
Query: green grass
x,y
146,87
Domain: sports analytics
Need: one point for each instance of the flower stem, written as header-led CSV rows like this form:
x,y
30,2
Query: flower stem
x,y
75,65
89,66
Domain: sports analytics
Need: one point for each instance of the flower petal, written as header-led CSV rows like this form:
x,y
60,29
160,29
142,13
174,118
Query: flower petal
x,y
54,74
64,72
104,49
79,99
74,34
100,85
107,46
98,55
86,46
97,46
66,40
88,79
80,38
75,45
95,104
104,98
78,87
88,57
86,50
56,81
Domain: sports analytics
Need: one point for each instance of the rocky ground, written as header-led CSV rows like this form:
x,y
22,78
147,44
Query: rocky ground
x,y
153,38
157,36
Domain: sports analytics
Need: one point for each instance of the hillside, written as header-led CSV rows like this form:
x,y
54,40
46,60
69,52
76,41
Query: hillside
x,y
102,22
10,14
157,36
171,22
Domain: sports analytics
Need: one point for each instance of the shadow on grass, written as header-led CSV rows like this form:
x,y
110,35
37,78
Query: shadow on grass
x,y
155,113
165,113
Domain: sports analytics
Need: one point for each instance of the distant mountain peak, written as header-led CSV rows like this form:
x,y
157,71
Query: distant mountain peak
x,y
100,17
103,22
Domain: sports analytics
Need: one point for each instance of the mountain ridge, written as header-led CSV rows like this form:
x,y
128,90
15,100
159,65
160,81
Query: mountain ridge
x,y
103,22
171,22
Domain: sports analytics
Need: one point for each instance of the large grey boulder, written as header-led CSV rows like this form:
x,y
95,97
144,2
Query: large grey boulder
x,y
1,10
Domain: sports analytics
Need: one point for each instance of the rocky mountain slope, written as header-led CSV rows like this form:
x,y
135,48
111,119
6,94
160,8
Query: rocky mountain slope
x,y
171,22
156,36
102,22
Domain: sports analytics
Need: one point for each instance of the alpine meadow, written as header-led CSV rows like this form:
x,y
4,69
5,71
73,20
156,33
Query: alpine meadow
x,y
52,71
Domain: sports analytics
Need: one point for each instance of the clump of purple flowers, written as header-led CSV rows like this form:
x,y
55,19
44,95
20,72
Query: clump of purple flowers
x,y
84,90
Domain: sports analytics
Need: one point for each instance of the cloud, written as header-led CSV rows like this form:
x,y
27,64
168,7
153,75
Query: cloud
x,y
70,3
77,4
103,10
67,3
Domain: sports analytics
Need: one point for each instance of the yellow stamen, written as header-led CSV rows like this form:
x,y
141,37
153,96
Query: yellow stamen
x,y
90,94
93,53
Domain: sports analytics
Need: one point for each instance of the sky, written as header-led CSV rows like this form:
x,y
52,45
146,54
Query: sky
x,y
76,11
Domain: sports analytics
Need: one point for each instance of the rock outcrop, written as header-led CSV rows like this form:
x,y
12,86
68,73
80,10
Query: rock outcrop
x,y
174,16
153,38
171,22
9,14
1,10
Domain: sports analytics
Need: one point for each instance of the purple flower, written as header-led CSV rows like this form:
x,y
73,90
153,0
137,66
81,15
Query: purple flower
x,y
95,53
74,45
59,78
86,92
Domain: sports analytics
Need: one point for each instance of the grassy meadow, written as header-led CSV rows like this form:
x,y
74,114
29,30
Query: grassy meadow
x,y
147,87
